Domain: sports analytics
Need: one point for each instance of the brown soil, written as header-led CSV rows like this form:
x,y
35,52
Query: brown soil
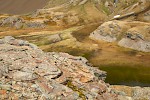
x,y
21,6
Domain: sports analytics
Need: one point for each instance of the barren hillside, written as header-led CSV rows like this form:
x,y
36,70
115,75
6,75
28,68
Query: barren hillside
x,y
21,6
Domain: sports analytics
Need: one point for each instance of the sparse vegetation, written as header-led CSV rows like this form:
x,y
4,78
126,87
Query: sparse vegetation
x,y
76,89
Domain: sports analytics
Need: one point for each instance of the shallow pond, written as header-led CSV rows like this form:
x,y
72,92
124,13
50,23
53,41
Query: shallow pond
x,y
127,75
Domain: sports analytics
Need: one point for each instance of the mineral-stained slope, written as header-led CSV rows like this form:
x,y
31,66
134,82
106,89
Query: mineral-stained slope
x,y
26,72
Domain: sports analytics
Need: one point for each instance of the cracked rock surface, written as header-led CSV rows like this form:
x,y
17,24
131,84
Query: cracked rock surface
x,y
27,73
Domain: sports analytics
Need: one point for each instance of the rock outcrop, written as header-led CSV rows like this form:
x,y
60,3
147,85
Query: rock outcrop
x,y
134,35
109,31
26,72
12,21
133,93
18,22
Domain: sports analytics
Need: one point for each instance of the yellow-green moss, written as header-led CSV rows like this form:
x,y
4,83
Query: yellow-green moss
x,y
76,89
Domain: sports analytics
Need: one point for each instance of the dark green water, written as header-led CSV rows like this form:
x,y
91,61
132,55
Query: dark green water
x,y
127,75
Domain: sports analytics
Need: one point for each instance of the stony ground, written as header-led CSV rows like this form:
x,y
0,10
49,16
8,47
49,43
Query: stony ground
x,y
27,72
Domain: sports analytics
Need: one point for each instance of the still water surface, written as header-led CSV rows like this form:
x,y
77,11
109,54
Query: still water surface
x,y
127,75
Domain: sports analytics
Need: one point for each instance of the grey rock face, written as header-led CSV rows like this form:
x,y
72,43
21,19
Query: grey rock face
x,y
18,23
134,39
137,45
24,58
108,31
133,35
12,41
12,21
23,76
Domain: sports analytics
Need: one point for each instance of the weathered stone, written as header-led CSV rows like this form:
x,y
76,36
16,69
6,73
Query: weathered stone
x,y
8,39
19,25
134,35
15,21
137,45
29,73
54,38
141,93
23,76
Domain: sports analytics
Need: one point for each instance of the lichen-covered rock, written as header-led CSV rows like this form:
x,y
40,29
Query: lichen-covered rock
x,y
25,57
26,72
